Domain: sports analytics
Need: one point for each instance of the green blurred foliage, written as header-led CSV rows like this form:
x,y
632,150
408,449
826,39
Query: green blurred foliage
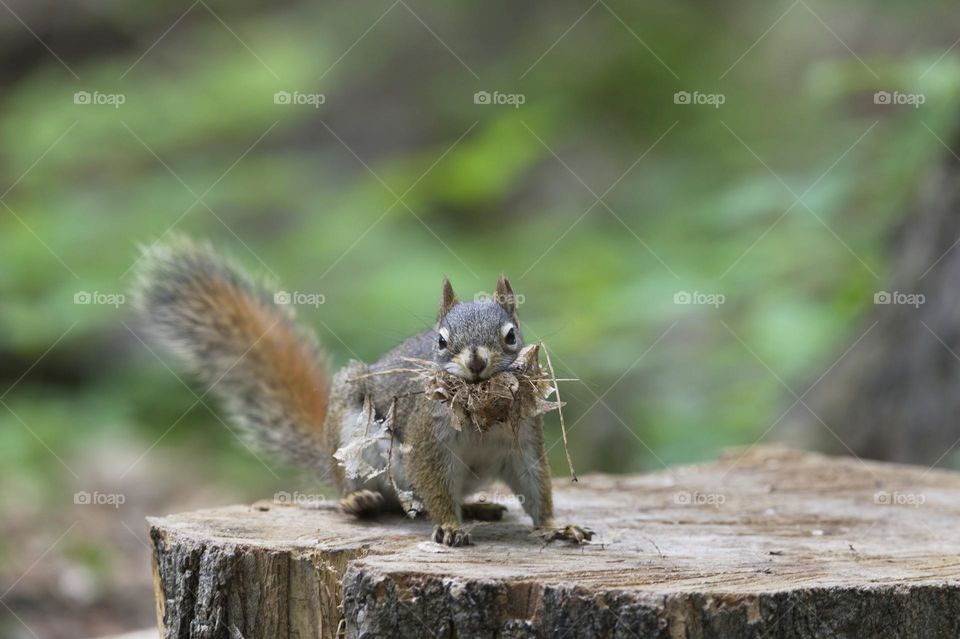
x,y
309,196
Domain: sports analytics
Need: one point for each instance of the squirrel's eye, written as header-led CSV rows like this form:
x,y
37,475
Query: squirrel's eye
x,y
442,343
510,338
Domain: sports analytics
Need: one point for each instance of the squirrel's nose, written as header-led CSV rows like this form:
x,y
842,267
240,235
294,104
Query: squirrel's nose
x,y
476,364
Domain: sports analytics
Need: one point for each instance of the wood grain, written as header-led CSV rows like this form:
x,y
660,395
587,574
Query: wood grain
x,y
767,542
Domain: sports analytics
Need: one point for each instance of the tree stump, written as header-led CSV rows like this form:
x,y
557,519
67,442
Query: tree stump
x,y
766,542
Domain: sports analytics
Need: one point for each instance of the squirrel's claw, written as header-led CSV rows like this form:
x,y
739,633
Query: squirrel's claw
x,y
574,534
451,536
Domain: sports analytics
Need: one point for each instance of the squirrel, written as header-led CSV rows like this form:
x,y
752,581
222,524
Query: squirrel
x,y
275,382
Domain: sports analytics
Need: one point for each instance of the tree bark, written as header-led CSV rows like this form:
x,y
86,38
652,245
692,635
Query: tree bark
x,y
765,542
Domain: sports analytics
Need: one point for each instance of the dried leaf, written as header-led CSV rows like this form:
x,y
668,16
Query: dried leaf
x,y
354,454
351,458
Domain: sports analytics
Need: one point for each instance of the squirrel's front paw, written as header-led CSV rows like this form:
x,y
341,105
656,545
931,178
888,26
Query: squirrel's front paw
x,y
451,535
574,534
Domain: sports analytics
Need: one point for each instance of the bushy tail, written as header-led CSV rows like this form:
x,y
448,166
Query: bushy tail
x,y
249,351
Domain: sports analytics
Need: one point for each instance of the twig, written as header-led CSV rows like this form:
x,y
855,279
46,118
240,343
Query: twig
x,y
369,414
410,394
393,435
654,544
563,425
389,371
426,363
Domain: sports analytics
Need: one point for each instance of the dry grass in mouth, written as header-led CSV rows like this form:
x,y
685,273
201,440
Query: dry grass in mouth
x,y
506,399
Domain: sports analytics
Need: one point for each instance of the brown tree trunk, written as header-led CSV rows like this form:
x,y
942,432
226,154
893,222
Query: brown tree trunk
x,y
766,542
896,394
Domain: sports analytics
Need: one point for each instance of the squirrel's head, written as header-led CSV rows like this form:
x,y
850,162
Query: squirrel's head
x,y
476,340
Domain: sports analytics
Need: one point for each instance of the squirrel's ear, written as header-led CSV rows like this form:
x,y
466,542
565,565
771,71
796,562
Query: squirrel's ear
x,y
505,297
448,299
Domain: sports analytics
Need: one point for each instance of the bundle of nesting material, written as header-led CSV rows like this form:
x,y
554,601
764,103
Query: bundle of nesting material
x,y
521,392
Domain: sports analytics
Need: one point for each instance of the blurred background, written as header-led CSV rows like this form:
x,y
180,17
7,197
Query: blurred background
x,y
731,222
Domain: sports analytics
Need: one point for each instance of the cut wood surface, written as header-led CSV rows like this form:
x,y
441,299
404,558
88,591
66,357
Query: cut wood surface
x,y
764,542
150,633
